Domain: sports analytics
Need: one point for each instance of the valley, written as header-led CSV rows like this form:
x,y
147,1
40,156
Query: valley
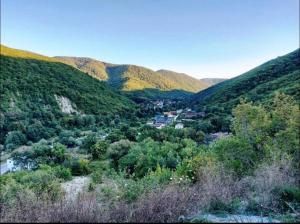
x,y
143,145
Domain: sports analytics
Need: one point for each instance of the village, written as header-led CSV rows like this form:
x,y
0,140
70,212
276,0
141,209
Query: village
x,y
176,117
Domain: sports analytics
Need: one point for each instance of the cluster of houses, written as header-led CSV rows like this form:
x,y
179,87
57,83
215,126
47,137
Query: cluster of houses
x,y
163,120
169,117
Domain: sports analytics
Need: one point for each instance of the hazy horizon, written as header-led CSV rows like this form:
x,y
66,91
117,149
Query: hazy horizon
x,y
204,39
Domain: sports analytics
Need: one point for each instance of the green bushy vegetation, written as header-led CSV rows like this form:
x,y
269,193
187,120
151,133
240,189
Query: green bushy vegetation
x,y
255,170
29,110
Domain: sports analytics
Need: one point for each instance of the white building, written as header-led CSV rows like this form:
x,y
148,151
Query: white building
x,y
179,126
8,166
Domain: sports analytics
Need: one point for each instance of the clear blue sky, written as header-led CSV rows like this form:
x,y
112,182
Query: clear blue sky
x,y
203,38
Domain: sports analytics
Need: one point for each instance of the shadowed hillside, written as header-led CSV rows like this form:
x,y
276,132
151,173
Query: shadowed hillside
x,y
134,78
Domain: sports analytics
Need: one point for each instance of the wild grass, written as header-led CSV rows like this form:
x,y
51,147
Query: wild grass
x,y
173,202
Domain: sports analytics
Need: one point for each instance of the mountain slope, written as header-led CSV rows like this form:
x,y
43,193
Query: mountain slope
x,y
213,81
187,82
95,68
258,84
44,93
135,81
132,78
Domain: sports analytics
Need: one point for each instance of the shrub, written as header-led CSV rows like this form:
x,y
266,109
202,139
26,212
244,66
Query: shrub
x,y
88,142
36,131
131,190
236,154
190,168
97,177
79,167
42,182
288,193
66,138
117,150
62,173
97,165
99,149
14,139
59,172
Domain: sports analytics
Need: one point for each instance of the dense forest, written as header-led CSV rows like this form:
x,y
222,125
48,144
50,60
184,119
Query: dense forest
x,y
30,93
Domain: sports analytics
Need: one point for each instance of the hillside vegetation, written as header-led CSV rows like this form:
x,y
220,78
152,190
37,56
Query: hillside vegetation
x,y
165,175
130,78
31,91
259,84
95,68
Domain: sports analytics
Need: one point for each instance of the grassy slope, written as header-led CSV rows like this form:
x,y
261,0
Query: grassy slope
x,y
260,83
7,51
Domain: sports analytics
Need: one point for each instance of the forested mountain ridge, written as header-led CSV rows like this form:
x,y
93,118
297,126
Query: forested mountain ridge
x,y
39,95
131,79
135,78
95,68
258,84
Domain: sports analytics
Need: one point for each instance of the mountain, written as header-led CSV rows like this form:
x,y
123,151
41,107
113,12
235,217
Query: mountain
x,y
37,90
133,79
258,84
212,81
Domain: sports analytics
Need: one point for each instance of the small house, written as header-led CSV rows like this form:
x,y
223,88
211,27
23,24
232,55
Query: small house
x,y
179,126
